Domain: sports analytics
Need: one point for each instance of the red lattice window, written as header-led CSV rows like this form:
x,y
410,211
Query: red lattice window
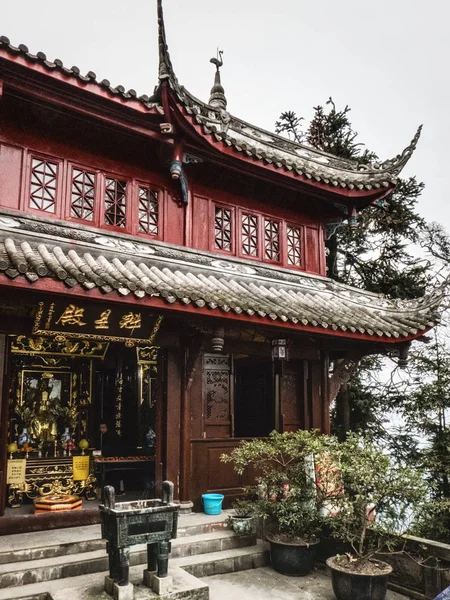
x,y
148,210
83,195
249,234
43,185
223,229
271,240
294,248
115,202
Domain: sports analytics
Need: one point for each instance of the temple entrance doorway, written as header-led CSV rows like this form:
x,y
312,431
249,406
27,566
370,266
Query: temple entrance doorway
x,y
254,403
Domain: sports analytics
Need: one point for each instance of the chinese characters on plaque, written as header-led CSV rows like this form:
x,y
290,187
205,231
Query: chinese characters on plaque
x,y
74,319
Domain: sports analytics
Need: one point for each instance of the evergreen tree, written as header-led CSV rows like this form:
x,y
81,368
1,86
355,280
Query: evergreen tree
x,y
381,254
376,254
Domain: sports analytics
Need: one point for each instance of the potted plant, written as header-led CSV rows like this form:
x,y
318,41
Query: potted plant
x,y
285,494
242,521
370,508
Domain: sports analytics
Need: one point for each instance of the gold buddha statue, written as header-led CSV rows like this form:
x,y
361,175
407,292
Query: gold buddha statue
x,y
44,424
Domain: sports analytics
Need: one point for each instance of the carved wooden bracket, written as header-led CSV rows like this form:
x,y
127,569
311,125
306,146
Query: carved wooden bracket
x,y
343,370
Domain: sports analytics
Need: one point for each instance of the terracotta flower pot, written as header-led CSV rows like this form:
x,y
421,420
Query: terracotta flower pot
x,y
358,586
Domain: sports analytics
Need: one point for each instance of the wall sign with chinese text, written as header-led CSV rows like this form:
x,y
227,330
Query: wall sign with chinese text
x,y
80,468
16,471
70,318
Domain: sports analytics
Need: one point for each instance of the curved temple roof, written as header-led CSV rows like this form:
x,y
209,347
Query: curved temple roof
x,y
31,250
272,148
231,131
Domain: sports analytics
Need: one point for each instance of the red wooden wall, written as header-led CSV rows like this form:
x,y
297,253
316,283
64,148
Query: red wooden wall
x,y
37,133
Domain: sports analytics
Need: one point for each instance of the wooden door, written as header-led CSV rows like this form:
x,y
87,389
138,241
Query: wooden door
x,y
293,394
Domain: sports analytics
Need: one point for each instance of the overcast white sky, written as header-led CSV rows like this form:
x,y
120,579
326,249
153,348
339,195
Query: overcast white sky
x,y
387,59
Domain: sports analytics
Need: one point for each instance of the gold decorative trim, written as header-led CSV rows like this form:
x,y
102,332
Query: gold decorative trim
x,y
35,345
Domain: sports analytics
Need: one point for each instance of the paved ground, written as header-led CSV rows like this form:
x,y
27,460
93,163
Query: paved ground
x,y
267,584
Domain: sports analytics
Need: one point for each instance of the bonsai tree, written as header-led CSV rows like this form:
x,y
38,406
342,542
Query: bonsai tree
x,y
285,492
243,509
372,505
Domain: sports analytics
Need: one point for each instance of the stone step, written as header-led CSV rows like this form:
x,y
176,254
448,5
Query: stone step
x,y
84,587
94,561
79,540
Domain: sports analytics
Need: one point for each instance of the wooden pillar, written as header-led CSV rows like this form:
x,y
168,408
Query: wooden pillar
x,y
306,416
172,419
3,420
316,376
185,431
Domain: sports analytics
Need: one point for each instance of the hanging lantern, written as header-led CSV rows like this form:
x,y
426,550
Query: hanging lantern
x,y
280,349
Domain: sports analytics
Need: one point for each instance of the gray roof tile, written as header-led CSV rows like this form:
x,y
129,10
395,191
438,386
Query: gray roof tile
x,y
120,265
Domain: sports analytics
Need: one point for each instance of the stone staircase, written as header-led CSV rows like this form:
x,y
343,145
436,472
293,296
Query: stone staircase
x,y
72,563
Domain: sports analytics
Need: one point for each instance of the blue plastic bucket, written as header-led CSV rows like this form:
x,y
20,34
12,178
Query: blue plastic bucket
x,y
212,503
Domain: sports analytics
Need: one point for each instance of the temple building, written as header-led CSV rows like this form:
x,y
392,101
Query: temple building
x,y
162,270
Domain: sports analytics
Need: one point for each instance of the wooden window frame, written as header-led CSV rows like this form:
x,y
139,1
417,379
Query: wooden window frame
x,y
239,252
281,229
301,227
59,192
162,203
212,245
68,194
129,188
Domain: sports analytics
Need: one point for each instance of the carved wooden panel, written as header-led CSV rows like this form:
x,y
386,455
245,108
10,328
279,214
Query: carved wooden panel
x,y
217,396
216,389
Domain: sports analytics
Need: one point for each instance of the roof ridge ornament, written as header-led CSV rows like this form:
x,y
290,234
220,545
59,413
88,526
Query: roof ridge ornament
x,y
218,98
396,164
165,69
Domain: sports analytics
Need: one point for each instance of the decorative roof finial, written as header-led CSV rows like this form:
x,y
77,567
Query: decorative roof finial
x,y
165,64
218,97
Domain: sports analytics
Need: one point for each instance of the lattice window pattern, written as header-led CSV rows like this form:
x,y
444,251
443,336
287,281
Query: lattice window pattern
x,y
223,229
83,195
43,185
217,390
148,210
115,202
271,240
217,396
249,234
294,248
